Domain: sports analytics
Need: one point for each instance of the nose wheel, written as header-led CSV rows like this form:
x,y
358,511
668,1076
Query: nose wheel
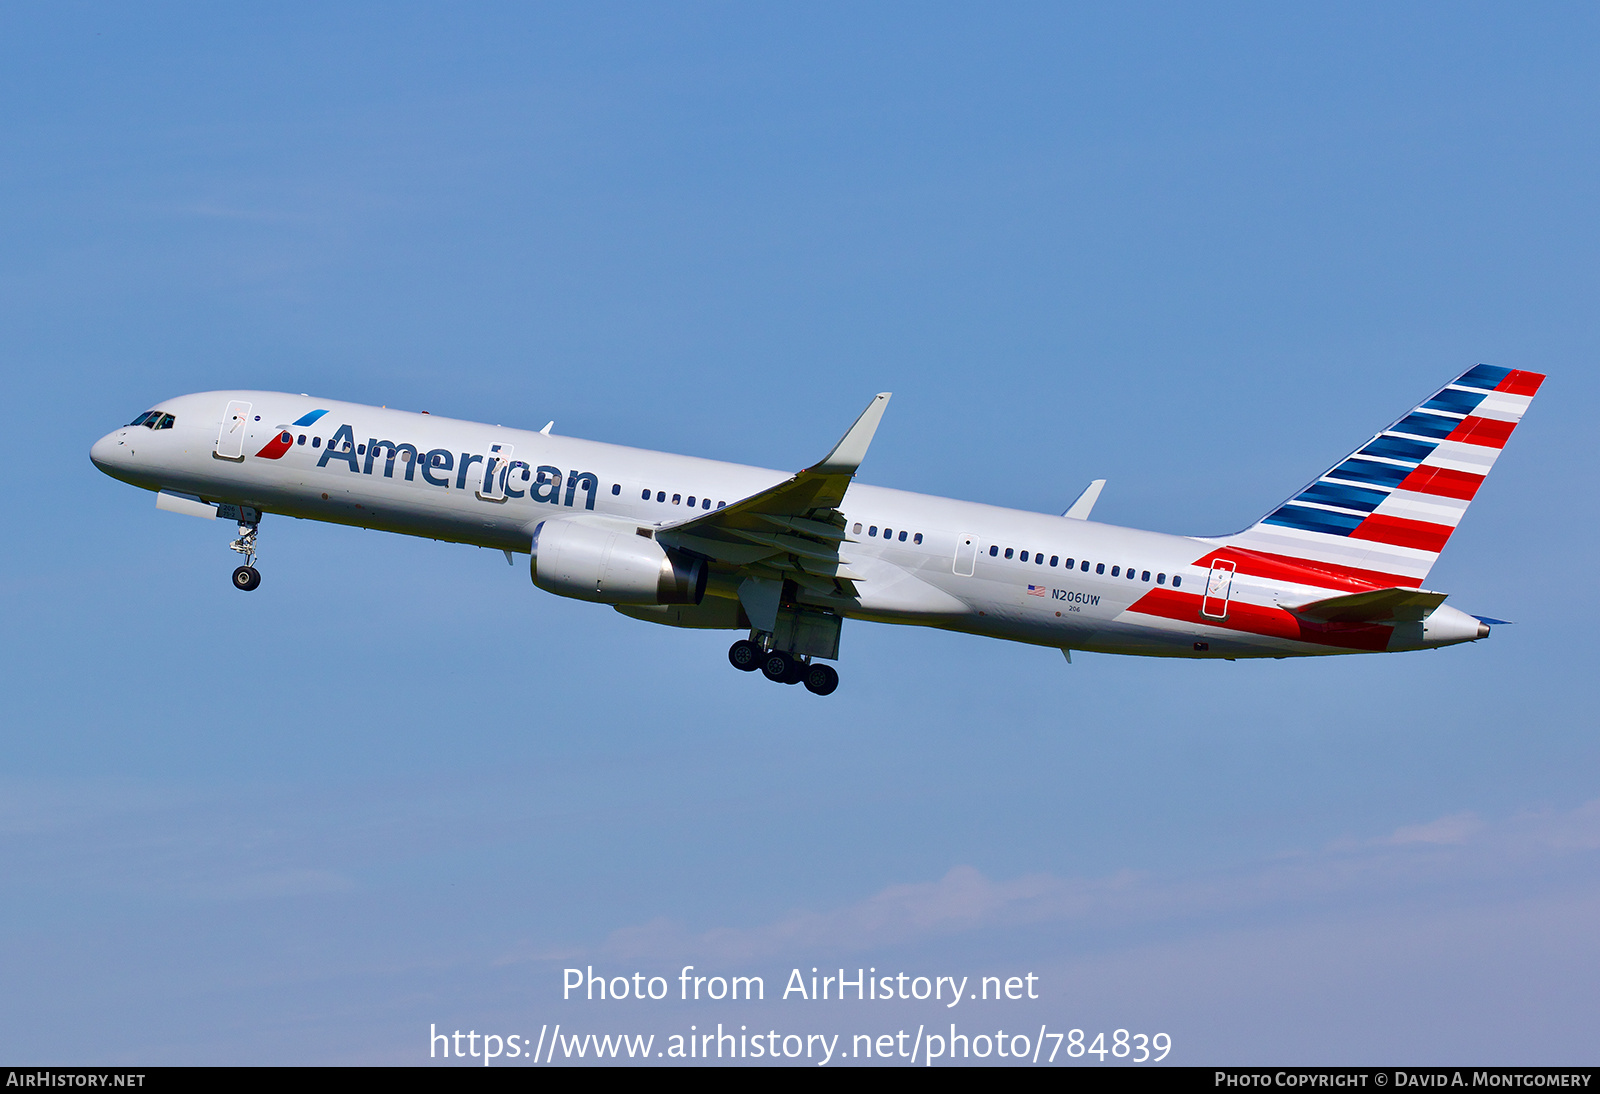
x,y
247,578
783,668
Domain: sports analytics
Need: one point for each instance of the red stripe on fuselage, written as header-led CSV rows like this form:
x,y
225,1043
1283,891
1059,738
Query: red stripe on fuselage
x,y
1403,533
1442,482
1521,383
1489,432
275,448
1306,571
1271,622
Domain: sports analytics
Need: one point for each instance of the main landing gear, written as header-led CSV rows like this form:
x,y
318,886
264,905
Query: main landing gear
x,y
783,668
246,578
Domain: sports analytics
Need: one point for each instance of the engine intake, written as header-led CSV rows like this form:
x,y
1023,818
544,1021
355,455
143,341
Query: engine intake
x,y
610,563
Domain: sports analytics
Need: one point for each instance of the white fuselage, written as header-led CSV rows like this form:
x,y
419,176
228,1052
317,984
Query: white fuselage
x,y
946,563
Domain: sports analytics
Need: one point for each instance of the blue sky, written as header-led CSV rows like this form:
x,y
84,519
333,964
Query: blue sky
x,y
1201,253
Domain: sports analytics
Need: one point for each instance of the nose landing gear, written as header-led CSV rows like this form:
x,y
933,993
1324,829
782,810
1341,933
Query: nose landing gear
x,y
246,578
783,668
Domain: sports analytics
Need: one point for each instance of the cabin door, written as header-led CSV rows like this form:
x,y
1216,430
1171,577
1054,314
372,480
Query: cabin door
x,y
1219,587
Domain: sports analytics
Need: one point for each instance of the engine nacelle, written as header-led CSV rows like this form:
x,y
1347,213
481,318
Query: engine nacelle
x,y
608,562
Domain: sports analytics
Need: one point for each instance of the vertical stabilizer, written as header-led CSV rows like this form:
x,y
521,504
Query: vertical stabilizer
x,y
1383,513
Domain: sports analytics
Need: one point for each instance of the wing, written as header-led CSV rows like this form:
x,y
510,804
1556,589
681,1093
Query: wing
x,y
793,531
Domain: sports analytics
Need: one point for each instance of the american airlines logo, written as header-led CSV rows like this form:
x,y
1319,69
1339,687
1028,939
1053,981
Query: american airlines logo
x,y
493,476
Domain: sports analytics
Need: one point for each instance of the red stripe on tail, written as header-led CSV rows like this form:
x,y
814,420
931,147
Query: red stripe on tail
x,y
1443,482
1403,533
1521,383
1489,432
1305,571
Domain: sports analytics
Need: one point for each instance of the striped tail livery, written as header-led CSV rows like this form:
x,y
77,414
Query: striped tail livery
x,y
1382,514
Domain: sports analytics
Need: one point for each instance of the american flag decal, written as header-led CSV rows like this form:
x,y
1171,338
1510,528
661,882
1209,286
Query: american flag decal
x,y
1035,590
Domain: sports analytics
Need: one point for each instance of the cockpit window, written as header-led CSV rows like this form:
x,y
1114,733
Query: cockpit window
x,y
141,419
165,422
153,419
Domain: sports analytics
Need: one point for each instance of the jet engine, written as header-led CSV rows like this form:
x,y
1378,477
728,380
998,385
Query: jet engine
x,y
610,562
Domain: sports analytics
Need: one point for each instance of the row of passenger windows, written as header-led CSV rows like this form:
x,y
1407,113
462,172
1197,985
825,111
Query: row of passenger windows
x,y
677,499
1132,573
888,533
153,419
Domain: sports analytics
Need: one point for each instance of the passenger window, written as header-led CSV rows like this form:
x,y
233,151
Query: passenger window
x,y
1161,579
1116,570
316,442
857,529
994,551
1023,556
1055,559
645,496
1071,564
616,488
1132,573
361,450
873,530
917,538
286,437
677,499
902,537
1008,552
1099,567
1176,581
661,495
691,501
1038,559
888,533
1085,566
720,504
302,439
705,503
1145,576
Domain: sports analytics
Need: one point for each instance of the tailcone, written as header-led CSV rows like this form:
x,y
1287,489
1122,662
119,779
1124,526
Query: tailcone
x,y
1445,626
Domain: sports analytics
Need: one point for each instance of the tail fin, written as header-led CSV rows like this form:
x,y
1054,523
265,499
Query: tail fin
x,y
1383,513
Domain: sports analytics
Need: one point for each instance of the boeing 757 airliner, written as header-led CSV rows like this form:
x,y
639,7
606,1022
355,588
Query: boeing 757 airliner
x,y
687,542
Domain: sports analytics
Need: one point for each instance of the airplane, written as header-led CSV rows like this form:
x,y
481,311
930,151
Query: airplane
x,y
1337,568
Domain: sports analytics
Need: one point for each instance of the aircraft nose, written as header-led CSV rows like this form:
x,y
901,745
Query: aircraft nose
x,y
109,452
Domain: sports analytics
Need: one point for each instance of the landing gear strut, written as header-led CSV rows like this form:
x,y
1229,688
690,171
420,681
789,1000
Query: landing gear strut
x,y
783,668
246,578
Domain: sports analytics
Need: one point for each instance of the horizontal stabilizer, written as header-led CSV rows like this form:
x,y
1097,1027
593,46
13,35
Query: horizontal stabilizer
x,y
1377,606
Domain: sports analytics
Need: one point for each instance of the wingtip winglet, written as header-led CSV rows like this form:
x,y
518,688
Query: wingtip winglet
x,y
852,447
